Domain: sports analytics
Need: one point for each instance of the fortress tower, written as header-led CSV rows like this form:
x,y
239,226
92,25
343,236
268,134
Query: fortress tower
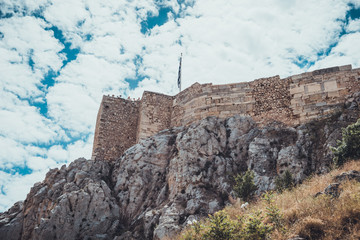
x,y
293,100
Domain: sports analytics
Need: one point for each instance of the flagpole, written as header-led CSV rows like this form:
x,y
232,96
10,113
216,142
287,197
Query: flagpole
x,y
179,74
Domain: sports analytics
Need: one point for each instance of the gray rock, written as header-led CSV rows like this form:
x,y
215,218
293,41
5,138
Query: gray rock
x,y
333,190
296,238
346,176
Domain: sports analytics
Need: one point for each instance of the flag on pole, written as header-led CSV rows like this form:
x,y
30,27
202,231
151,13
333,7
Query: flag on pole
x,y
179,74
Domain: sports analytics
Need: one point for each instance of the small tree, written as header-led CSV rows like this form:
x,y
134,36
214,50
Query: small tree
x,y
273,212
285,181
255,228
244,185
220,227
349,146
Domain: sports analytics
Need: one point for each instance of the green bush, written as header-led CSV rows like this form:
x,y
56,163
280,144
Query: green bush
x,y
273,213
255,228
244,185
285,181
220,227
349,146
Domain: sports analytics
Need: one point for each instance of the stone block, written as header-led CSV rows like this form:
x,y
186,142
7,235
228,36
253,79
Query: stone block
x,y
313,88
297,78
320,104
330,86
345,68
294,101
333,94
343,92
326,70
249,107
224,87
296,89
342,84
249,99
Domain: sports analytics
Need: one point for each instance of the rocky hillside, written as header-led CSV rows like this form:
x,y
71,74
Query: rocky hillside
x,y
323,207
160,184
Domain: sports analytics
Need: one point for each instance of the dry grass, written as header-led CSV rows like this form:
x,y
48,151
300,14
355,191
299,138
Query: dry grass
x,y
309,217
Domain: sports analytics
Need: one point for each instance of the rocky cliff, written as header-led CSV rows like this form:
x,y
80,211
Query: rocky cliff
x,y
160,184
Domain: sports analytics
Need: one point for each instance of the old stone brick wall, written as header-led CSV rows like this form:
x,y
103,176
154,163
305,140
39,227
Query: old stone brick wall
x,y
155,114
292,100
116,127
321,92
201,101
271,99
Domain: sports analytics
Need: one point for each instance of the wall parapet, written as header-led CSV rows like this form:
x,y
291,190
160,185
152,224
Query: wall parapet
x,y
292,100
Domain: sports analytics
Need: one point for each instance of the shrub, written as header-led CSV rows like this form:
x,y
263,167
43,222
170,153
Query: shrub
x,y
255,228
194,232
273,213
244,185
349,146
285,181
311,228
221,227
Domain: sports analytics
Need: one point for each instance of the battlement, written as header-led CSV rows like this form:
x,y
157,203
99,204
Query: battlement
x,y
292,100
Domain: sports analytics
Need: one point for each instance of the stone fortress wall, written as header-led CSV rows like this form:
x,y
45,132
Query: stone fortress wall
x,y
155,114
116,127
293,100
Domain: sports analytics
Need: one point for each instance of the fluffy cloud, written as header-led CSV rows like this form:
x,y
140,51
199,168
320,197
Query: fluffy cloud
x,y
50,95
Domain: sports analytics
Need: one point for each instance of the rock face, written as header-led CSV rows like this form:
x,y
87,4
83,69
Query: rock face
x,y
159,185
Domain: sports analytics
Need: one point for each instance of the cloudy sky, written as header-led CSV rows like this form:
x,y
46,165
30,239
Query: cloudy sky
x,y
58,57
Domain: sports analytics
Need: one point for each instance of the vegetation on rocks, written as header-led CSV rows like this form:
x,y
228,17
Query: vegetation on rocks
x,y
285,181
349,146
294,212
244,185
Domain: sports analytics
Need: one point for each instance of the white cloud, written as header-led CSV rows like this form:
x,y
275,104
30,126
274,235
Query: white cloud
x,y
11,153
354,26
67,15
16,187
24,40
19,7
70,106
346,52
25,124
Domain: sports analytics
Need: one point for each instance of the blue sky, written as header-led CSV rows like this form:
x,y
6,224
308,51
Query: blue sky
x,y
58,57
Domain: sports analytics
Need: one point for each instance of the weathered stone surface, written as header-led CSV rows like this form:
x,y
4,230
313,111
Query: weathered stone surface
x,y
166,181
11,222
346,176
71,203
296,238
333,190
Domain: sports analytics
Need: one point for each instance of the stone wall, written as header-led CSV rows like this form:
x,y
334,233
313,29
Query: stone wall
x,y
116,127
292,100
321,92
201,101
155,114
271,99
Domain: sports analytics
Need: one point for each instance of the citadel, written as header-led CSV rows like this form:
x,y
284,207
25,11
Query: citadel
x,y
294,100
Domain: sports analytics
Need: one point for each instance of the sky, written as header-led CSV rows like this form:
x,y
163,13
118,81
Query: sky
x,y
59,57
